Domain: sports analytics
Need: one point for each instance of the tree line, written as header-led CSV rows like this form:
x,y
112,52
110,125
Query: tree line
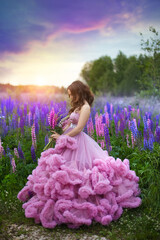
x,y
125,76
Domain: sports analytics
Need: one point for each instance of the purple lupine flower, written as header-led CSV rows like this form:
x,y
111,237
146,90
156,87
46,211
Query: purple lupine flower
x,y
145,142
122,124
103,118
10,157
42,118
107,138
33,154
33,134
108,107
7,150
129,108
116,123
117,110
14,121
134,130
157,120
32,109
21,124
25,109
150,141
157,134
139,122
93,114
2,106
37,113
145,122
46,140
18,110
4,153
20,152
36,125
125,113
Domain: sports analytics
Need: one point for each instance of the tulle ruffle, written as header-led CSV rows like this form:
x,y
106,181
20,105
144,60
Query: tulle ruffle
x,y
56,193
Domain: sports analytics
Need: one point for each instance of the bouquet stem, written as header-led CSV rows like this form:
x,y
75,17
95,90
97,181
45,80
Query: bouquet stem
x,y
49,145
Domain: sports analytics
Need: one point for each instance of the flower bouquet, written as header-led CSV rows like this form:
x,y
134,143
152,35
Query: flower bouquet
x,y
55,124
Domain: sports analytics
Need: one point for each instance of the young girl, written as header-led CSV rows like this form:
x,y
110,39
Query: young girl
x,y
77,182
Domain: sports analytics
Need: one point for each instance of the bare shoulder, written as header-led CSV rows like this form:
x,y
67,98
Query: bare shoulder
x,y
85,108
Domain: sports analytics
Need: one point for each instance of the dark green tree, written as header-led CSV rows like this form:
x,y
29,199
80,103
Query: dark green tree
x,y
120,64
132,74
99,74
151,76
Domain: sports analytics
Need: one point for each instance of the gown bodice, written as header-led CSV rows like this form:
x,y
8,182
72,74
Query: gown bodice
x,y
74,117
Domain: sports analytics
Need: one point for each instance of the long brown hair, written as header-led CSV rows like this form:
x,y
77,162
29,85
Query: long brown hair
x,y
80,93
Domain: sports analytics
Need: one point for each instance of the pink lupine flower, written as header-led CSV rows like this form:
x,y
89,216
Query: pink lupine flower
x,y
13,165
133,110
102,144
16,152
127,138
34,142
138,112
105,108
129,123
52,118
111,109
133,140
29,118
148,123
118,125
1,148
99,125
107,119
134,119
90,127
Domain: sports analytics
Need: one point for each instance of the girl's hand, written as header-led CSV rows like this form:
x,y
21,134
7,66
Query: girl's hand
x,y
55,135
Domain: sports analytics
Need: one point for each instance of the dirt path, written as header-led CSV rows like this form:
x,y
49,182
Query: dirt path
x,y
25,232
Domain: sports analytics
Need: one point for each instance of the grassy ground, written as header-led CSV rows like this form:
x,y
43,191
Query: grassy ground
x,y
134,224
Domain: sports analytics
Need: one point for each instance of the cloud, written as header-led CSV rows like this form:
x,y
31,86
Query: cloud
x,y
27,23
23,22
4,71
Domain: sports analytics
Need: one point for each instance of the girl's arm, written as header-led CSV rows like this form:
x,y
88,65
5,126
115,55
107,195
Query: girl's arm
x,y
83,118
67,126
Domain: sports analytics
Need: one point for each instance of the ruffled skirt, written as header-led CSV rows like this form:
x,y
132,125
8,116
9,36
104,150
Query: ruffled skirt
x,y
76,183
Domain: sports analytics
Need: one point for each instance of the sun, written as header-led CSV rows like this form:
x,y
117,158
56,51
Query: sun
x,y
40,81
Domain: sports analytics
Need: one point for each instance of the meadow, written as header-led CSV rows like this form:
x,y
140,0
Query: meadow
x,y
124,128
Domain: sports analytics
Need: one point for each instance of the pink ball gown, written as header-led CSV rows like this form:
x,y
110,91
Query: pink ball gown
x,y
77,182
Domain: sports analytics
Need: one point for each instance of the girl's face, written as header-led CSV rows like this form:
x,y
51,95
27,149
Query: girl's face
x,y
69,94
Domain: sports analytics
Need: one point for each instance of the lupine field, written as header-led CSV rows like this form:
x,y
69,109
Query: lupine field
x,y
125,132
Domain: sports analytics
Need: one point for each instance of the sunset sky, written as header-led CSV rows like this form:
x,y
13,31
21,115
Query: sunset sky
x,y
47,42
